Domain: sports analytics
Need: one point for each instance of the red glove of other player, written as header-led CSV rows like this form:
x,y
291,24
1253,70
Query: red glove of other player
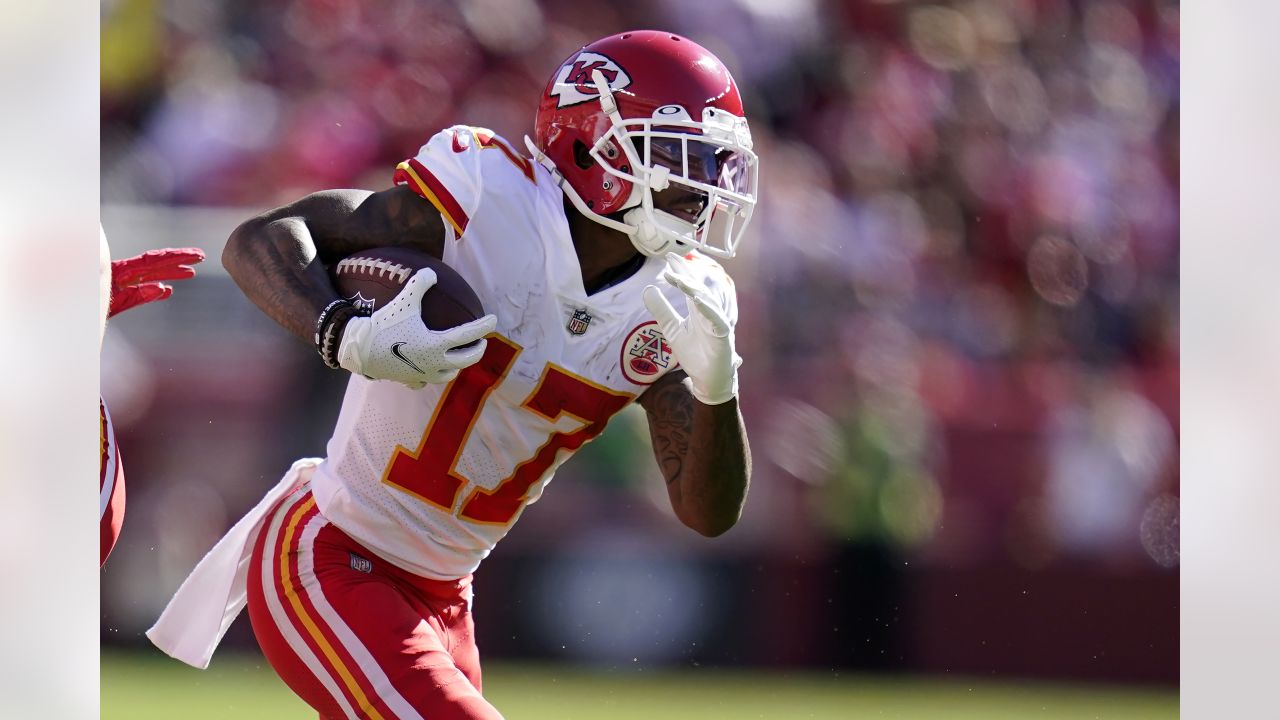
x,y
136,280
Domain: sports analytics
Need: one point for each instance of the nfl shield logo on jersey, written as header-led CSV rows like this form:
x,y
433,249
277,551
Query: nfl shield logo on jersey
x,y
579,322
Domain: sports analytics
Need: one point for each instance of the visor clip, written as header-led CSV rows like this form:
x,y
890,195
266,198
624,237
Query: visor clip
x,y
659,178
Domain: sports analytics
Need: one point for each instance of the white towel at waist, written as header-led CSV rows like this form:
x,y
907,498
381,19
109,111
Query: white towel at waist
x,y
215,592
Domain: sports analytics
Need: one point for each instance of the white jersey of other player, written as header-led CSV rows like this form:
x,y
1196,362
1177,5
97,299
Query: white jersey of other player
x,y
432,479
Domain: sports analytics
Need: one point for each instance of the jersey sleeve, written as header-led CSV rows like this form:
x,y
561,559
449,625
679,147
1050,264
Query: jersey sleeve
x,y
447,172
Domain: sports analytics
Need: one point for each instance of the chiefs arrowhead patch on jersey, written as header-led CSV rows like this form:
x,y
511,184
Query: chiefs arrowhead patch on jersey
x,y
573,83
645,354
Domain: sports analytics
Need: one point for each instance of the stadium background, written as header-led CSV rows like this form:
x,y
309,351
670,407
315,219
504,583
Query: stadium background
x,y
959,318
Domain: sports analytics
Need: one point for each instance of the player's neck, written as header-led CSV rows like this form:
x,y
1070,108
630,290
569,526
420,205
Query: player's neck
x,y
605,256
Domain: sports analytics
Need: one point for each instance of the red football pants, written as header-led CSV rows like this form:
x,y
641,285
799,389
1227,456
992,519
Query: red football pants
x,y
353,635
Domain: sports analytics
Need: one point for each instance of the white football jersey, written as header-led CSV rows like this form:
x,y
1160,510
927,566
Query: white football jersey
x,y
432,479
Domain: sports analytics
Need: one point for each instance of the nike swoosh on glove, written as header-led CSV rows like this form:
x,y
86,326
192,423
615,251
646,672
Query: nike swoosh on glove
x,y
394,343
702,342
136,280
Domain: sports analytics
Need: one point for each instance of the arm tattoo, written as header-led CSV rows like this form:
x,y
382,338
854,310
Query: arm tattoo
x,y
670,425
703,453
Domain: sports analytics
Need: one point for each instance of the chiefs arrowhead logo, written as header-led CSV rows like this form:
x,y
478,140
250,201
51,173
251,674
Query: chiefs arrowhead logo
x,y
573,83
645,354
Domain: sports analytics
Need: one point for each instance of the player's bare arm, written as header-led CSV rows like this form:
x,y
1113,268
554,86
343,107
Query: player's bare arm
x,y
702,451
273,256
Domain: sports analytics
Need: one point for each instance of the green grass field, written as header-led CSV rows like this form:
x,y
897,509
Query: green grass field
x,y
145,686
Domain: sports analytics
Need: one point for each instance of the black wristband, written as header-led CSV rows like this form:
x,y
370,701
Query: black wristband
x,y
331,338
323,334
324,317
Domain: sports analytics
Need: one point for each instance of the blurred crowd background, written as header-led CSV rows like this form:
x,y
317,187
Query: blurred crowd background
x,y
959,319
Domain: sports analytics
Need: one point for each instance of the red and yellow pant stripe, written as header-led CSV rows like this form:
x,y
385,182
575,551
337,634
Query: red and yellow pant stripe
x,y
353,639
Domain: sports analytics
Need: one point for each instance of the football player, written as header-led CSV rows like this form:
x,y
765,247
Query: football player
x,y
125,284
595,259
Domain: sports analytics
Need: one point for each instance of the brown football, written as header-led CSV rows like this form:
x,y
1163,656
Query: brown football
x,y
372,278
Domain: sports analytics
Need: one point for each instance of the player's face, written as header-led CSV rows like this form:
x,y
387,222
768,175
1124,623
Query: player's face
x,y
684,202
699,161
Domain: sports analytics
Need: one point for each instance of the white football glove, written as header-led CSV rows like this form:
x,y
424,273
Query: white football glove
x,y
394,343
703,342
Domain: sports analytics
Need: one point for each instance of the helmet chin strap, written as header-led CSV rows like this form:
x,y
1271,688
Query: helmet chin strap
x,y
656,232
651,237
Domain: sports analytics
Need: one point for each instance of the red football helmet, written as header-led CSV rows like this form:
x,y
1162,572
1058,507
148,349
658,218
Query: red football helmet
x,y
637,113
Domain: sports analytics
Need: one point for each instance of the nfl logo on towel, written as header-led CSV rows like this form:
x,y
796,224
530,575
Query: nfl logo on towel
x,y
579,322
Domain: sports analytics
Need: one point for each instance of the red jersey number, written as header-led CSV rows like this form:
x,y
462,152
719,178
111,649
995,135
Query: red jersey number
x,y
429,473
